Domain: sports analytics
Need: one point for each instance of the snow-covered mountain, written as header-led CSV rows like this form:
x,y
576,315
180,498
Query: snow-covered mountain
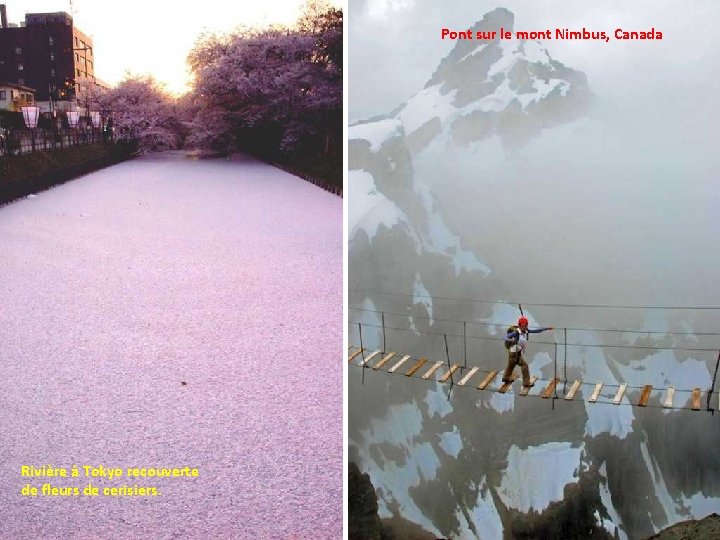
x,y
481,464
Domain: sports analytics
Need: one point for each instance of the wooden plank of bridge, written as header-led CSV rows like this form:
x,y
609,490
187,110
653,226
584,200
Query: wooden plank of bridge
x,y
354,355
669,397
351,346
369,357
550,389
432,370
525,389
417,366
468,376
487,380
506,386
595,393
645,395
385,359
573,389
696,400
450,372
620,392
400,363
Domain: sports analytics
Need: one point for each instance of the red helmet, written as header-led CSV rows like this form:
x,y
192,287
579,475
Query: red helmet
x,y
522,321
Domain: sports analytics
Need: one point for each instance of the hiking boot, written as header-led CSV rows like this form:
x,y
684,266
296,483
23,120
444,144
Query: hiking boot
x,y
529,385
506,381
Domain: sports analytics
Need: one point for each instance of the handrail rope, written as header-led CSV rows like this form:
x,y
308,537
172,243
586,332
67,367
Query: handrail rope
x,y
544,342
598,401
582,383
599,306
567,328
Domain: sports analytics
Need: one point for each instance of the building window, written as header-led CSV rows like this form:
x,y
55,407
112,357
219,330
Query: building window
x,y
78,72
3,95
76,41
18,50
52,56
52,72
21,82
20,67
51,40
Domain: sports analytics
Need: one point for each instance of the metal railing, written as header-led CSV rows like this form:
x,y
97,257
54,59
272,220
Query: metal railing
x,y
15,141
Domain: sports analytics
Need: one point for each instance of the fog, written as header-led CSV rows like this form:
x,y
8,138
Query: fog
x,y
616,207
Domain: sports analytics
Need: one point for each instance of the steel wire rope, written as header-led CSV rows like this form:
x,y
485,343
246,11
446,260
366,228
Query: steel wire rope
x,y
566,327
543,342
597,306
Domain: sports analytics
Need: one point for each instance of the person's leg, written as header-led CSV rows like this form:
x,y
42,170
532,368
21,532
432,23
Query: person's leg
x,y
525,371
507,376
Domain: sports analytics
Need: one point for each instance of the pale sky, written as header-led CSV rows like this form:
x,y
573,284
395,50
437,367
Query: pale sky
x,y
154,37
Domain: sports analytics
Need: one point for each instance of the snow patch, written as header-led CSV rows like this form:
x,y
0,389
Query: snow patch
x,y
666,371
700,505
501,402
371,324
606,498
376,133
537,476
451,442
369,209
399,428
437,402
602,418
539,361
503,95
485,516
535,52
504,315
425,105
439,239
422,296
427,460
661,491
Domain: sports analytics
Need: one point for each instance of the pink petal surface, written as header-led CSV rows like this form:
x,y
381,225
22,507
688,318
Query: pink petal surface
x,y
117,287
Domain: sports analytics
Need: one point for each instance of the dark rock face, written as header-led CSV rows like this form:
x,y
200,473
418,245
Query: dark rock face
x,y
363,520
702,529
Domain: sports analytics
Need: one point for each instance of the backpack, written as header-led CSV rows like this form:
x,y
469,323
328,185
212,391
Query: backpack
x,y
510,330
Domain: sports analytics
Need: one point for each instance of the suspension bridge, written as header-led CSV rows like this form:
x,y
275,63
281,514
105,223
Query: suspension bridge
x,y
555,387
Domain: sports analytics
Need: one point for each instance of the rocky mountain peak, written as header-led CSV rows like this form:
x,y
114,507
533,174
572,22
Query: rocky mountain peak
x,y
511,88
491,22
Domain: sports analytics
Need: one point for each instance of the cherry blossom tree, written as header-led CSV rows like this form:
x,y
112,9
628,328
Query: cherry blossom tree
x,y
275,91
143,112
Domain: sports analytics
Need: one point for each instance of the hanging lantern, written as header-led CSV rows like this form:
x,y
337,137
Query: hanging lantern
x,y
73,118
31,115
96,119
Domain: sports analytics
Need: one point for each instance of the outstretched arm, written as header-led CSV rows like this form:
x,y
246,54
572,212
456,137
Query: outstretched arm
x,y
538,330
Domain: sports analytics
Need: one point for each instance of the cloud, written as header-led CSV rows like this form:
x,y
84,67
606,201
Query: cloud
x,y
384,9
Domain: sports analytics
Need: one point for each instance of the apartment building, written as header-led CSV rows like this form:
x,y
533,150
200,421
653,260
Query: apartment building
x,y
49,54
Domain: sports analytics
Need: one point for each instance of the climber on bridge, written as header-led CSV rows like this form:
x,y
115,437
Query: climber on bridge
x,y
515,342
